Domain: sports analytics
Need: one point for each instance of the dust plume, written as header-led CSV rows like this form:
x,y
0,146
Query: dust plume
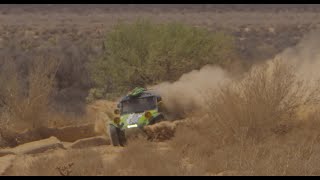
x,y
186,94
305,56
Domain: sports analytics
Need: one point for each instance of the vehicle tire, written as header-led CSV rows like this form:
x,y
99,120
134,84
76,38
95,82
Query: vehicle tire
x,y
122,138
114,135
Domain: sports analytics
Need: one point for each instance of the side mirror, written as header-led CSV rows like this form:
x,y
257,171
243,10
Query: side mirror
x,y
116,111
159,99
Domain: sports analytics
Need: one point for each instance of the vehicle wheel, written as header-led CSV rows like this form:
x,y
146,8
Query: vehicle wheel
x,y
114,135
122,138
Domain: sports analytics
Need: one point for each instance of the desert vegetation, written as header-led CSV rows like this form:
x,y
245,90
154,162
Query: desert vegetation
x,y
245,106
145,53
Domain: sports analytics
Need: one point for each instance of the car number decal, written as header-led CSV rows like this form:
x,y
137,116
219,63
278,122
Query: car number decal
x,y
133,118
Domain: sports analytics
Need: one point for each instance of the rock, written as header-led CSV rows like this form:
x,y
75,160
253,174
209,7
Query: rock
x,y
90,142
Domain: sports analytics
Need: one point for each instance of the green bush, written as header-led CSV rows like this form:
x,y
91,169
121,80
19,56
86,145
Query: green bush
x,y
147,53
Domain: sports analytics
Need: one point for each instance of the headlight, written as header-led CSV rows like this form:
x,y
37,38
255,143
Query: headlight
x,y
116,120
116,111
148,115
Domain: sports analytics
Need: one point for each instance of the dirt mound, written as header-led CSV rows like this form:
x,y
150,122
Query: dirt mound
x,y
5,152
36,146
5,163
99,112
90,142
67,134
73,133
39,146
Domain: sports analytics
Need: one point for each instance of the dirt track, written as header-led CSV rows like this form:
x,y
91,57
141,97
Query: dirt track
x,y
22,156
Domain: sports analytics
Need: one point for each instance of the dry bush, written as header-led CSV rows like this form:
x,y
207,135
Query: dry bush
x,y
27,101
268,96
160,131
294,153
142,158
253,128
64,43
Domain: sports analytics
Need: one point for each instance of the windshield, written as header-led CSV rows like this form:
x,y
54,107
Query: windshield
x,y
138,105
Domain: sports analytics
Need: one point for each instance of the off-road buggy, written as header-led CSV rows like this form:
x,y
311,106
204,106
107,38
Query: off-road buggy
x,y
139,108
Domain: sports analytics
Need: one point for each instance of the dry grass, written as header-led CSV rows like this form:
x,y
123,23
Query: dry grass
x,y
253,127
269,96
28,104
72,162
26,98
141,158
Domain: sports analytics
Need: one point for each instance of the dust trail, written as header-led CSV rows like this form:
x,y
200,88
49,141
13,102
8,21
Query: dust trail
x,y
187,94
305,56
305,60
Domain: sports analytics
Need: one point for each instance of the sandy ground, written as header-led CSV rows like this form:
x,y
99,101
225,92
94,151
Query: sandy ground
x,y
22,161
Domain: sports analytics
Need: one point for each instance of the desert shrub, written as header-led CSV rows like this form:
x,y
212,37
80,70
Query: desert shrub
x,y
142,158
143,53
26,98
70,48
253,126
292,153
268,96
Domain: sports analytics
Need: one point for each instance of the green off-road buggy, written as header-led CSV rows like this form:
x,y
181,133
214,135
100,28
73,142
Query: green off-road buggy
x,y
138,109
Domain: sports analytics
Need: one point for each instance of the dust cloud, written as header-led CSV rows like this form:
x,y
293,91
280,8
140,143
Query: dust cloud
x,y
304,57
188,93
